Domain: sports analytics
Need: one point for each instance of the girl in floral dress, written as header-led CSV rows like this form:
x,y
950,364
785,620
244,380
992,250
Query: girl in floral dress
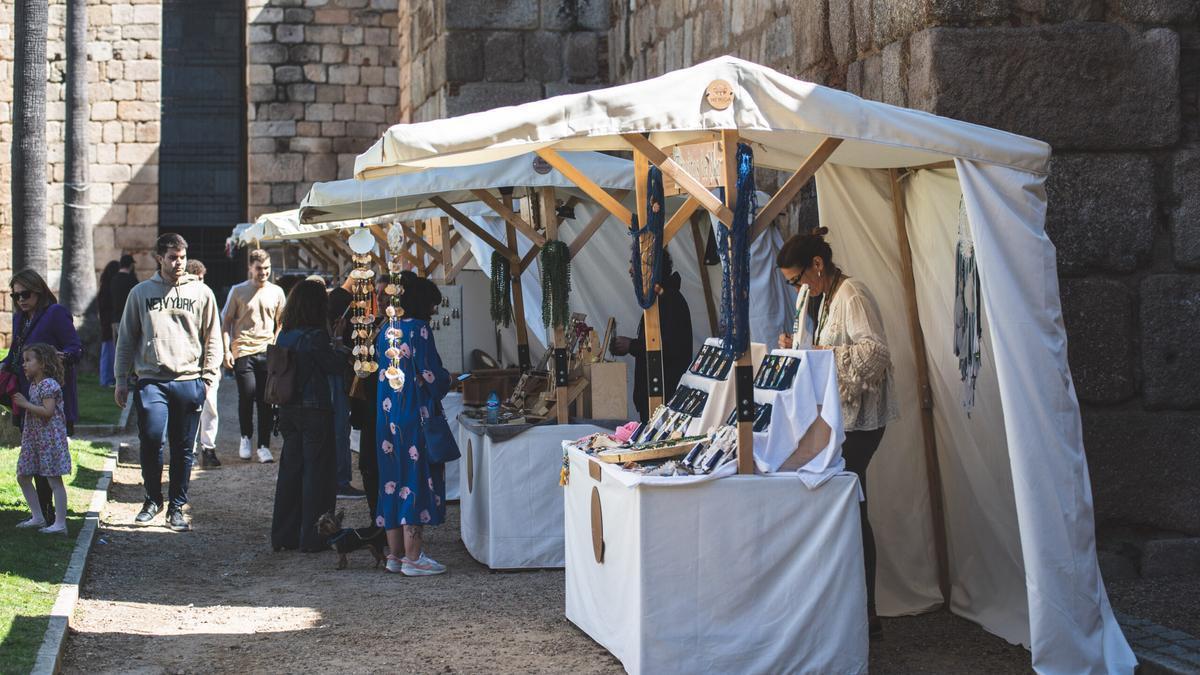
x,y
44,450
412,490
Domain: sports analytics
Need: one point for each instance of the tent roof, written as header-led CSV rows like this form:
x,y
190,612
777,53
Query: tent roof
x,y
349,199
783,117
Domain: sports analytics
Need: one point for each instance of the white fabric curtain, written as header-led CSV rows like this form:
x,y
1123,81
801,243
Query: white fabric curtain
x,y
1071,622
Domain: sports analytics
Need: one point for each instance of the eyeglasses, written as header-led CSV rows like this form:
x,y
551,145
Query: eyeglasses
x,y
795,282
18,296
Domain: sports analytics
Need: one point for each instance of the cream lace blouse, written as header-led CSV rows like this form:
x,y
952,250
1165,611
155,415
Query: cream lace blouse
x,y
854,329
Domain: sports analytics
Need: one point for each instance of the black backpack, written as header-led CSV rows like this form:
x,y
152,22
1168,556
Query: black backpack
x,y
283,381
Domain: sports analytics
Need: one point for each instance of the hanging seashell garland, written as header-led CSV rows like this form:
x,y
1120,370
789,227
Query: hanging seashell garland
x,y
394,373
362,316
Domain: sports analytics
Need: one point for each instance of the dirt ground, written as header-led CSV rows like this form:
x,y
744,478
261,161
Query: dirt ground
x,y
217,599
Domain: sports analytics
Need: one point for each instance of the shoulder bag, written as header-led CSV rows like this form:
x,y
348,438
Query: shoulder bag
x,y
440,445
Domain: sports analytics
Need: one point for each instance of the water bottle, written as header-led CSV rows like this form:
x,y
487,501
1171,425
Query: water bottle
x,y
493,408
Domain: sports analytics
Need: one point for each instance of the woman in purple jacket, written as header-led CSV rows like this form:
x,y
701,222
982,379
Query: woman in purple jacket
x,y
37,317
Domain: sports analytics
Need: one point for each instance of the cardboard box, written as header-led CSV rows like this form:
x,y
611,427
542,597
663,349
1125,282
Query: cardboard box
x,y
608,396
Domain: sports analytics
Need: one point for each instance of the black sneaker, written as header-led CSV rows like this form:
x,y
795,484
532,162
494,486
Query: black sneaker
x,y
350,492
150,508
176,521
208,458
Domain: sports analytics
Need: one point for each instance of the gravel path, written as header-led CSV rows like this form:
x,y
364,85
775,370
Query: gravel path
x,y
218,600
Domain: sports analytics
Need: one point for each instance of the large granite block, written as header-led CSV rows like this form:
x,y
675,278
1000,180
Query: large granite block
x,y
1100,318
1143,468
491,14
1086,86
1185,221
1101,211
1170,313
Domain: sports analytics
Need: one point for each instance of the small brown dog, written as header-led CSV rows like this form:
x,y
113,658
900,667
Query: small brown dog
x,y
348,539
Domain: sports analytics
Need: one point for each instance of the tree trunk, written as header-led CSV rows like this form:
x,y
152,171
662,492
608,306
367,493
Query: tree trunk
x,y
29,136
78,288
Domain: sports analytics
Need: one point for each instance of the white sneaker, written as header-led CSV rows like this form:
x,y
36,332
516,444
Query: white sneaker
x,y
421,567
25,524
244,448
54,529
264,455
394,565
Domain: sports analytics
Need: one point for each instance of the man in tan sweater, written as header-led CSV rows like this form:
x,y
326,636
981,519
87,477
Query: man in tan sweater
x,y
251,322
170,343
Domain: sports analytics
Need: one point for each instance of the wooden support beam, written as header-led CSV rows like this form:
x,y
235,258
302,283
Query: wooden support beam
x,y
458,267
791,188
705,282
686,182
420,241
509,217
655,380
518,300
472,227
590,188
682,215
549,219
924,392
444,231
315,253
530,256
590,229
743,371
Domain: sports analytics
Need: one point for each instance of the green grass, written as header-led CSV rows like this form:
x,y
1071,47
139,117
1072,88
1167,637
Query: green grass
x,y
32,564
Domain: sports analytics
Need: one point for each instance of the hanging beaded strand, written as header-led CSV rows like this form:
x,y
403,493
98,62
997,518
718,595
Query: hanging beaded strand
x,y
394,373
362,318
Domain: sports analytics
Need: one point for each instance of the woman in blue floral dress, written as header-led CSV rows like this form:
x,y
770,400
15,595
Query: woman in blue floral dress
x,y
412,490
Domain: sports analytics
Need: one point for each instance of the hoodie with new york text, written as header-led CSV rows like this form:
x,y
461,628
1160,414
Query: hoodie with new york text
x,y
170,332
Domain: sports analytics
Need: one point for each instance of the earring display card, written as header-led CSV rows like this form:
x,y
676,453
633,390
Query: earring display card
x,y
710,373
710,363
447,327
776,372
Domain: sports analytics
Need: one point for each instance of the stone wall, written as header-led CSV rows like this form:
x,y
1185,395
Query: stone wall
x,y
323,85
1113,86
464,56
124,77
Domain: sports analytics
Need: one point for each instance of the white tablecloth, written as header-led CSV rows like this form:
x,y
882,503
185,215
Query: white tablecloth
x,y
509,496
453,404
747,574
812,394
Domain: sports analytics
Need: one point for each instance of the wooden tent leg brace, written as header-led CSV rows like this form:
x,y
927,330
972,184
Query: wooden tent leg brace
x,y
518,302
653,331
562,399
743,382
932,466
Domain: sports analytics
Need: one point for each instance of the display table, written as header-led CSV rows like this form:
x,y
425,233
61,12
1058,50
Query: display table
x,y
509,497
742,574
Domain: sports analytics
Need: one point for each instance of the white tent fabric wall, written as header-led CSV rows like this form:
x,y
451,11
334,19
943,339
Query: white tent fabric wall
x,y
1070,617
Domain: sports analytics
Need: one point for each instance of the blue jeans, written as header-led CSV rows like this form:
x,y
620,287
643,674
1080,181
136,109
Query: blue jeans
x,y
341,429
107,352
170,409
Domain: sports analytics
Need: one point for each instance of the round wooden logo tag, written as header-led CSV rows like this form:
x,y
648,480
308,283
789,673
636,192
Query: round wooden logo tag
x,y
719,94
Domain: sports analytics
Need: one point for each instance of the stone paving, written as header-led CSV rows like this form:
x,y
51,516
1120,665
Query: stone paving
x,y
1160,649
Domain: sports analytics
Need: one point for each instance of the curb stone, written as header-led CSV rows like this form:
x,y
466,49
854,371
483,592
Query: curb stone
x,y
1160,650
50,653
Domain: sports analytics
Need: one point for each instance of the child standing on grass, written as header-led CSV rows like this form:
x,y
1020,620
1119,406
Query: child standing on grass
x,y
44,450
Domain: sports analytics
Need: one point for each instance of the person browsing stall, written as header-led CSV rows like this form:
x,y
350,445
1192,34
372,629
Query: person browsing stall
x,y
170,340
676,320
250,324
849,323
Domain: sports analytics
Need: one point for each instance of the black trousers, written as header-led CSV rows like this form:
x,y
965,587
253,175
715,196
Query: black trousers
x,y
858,449
251,374
362,417
306,486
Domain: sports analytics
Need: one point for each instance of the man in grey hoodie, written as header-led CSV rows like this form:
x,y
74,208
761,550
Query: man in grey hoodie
x,y
170,340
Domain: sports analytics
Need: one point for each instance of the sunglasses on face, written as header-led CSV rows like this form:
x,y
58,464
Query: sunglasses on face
x,y
18,296
795,282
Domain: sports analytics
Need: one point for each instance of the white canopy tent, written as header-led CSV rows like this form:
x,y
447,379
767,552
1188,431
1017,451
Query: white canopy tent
x,y
1019,523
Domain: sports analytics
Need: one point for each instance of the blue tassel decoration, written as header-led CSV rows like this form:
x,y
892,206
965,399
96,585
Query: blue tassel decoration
x,y
734,248
655,219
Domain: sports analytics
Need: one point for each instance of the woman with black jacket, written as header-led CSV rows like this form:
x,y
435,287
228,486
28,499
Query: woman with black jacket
x,y
306,486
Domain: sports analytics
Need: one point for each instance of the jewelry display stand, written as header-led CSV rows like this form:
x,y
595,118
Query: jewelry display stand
x,y
719,390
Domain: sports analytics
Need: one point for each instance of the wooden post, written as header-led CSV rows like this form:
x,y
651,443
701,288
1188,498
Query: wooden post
x,y
705,282
548,215
744,370
518,299
446,242
932,468
653,331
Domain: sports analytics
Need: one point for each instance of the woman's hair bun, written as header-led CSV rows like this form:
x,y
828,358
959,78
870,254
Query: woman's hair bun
x,y
820,231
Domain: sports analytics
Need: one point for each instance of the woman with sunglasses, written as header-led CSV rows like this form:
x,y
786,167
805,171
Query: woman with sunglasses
x,y
37,317
848,322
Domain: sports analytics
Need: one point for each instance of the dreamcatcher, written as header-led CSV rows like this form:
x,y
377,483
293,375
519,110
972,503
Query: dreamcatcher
x,y
968,312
